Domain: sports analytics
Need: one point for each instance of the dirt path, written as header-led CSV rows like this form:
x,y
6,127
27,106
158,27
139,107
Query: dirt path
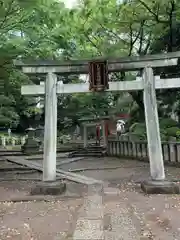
x,y
120,211
126,214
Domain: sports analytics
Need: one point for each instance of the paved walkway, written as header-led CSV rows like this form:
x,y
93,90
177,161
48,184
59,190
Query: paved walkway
x,y
94,224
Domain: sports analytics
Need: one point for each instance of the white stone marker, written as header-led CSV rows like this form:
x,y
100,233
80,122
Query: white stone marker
x,y
50,131
152,126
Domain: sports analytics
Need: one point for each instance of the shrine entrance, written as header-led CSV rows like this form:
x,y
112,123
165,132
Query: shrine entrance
x,y
95,131
98,70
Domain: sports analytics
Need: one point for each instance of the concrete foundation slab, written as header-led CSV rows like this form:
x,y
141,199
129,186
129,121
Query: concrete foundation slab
x,y
49,188
160,187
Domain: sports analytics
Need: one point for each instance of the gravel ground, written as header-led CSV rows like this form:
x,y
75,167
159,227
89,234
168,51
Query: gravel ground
x,y
119,211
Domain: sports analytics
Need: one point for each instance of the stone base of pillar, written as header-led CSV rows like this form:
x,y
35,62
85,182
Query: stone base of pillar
x,y
160,187
49,188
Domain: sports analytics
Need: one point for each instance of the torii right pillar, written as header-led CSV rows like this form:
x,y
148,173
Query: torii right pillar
x,y
157,184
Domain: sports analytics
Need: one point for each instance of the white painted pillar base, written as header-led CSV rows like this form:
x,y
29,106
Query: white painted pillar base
x,y
152,126
85,135
50,134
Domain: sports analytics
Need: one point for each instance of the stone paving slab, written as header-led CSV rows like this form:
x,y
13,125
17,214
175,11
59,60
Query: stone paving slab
x,y
89,230
94,224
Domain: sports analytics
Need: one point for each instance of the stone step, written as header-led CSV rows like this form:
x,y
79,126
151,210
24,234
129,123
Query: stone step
x,y
95,147
89,152
87,155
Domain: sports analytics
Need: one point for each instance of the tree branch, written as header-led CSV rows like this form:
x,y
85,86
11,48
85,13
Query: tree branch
x,y
148,44
113,33
93,44
8,12
172,22
155,15
141,34
131,40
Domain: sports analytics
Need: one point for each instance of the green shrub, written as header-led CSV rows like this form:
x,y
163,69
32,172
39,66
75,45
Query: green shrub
x,y
138,130
167,123
168,128
172,131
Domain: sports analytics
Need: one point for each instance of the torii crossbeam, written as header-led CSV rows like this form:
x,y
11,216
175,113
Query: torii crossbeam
x,y
148,83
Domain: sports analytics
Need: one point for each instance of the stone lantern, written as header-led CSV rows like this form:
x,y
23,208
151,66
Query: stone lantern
x,y
31,145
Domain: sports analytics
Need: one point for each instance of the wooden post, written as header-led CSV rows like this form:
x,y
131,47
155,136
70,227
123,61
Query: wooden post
x,y
50,133
104,133
152,126
85,135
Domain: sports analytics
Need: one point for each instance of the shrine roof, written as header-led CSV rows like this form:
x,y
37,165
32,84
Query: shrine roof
x,y
114,117
92,119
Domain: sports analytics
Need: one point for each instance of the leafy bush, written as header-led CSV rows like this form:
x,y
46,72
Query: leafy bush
x,y
168,128
167,123
138,130
135,127
172,131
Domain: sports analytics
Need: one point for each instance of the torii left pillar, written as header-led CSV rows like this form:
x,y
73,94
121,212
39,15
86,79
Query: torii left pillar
x,y
49,185
50,132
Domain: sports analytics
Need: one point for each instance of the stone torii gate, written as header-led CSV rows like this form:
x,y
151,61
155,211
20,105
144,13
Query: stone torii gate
x,y
148,83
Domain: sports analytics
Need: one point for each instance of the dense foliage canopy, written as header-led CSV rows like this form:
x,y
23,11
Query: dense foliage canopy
x,y
40,29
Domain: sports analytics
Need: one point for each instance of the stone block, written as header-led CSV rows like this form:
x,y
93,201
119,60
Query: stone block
x,y
49,188
160,187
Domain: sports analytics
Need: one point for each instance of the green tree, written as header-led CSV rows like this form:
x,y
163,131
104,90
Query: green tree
x,y
47,30
27,30
112,29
